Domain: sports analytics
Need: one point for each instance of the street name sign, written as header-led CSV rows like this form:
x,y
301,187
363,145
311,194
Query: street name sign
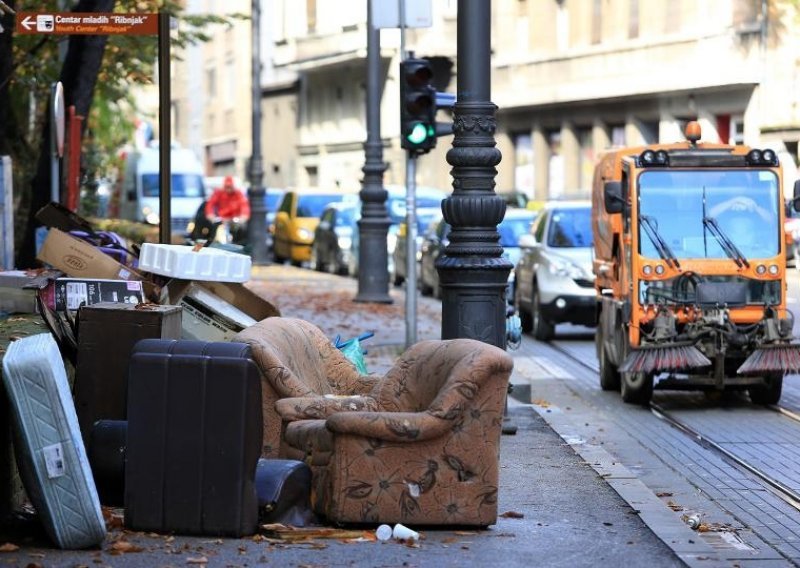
x,y
86,23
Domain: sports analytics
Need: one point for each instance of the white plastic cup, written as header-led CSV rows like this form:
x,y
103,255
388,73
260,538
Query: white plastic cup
x,y
383,532
402,532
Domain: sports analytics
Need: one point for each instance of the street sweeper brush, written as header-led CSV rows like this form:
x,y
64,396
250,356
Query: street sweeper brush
x,y
774,357
663,358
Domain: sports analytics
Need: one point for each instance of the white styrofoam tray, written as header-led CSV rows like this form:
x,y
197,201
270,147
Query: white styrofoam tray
x,y
179,261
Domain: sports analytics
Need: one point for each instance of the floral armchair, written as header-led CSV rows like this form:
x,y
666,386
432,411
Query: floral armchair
x,y
297,360
427,450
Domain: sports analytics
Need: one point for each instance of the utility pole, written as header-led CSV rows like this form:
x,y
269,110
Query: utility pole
x,y
256,193
472,270
373,256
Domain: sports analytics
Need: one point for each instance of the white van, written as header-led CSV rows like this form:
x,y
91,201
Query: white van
x,y
141,193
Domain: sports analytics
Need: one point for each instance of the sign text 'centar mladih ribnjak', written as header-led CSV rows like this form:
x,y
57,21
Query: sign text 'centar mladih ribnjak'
x,y
86,23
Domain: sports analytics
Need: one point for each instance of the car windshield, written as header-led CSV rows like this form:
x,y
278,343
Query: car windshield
x,y
182,185
309,205
570,228
272,198
511,229
699,213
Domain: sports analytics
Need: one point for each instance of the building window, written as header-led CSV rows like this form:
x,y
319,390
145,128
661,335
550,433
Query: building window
x,y
313,176
633,19
555,165
618,138
211,82
597,21
311,16
562,26
737,129
523,163
586,158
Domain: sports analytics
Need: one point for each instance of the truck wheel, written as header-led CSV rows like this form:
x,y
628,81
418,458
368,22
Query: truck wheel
x,y
525,320
770,393
636,388
543,330
609,376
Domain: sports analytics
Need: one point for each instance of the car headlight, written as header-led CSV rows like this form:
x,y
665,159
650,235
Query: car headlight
x,y
345,243
304,235
565,269
152,218
391,242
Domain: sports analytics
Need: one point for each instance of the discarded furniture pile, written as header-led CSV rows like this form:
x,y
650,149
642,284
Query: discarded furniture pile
x,y
200,410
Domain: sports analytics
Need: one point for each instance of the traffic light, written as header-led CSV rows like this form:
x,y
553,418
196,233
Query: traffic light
x,y
417,106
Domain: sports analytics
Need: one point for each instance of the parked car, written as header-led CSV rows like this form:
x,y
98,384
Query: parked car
x,y
332,249
516,222
425,215
426,197
297,218
554,279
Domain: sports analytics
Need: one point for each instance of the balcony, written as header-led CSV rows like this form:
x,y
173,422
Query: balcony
x,y
319,50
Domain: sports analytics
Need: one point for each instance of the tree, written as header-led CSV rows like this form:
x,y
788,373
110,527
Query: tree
x,y
97,73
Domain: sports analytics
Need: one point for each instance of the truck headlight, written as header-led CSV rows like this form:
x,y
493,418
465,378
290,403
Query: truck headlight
x,y
152,218
345,243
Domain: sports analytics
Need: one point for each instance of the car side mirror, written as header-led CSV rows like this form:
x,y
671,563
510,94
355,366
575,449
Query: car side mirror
x,y
796,198
612,197
527,241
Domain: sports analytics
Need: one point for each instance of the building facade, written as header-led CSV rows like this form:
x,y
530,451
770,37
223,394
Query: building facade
x,y
571,78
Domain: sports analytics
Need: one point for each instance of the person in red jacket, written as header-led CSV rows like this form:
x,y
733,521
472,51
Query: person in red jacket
x,y
229,206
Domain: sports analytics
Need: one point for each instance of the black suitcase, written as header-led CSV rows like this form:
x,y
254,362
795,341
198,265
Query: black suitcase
x,y
194,439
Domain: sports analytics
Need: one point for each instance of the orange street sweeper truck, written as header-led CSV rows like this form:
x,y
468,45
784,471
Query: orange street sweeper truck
x,y
690,260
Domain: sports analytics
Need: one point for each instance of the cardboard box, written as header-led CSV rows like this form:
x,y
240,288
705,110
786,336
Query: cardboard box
x,y
107,334
19,288
80,259
70,293
216,311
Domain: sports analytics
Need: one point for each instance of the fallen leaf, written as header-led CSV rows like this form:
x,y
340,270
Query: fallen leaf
x,y
664,494
197,560
542,403
465,533
512,515
8,547
124,547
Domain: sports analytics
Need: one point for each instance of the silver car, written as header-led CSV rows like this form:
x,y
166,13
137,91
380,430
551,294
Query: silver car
x,y
554,280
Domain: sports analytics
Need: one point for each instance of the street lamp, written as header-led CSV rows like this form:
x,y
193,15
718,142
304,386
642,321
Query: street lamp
x,y
258,209
373,256
472,270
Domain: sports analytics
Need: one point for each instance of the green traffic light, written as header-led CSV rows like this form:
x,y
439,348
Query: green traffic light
x,y
418,134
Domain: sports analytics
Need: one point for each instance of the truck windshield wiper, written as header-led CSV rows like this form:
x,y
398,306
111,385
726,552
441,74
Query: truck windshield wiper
x,y
725,242
658,241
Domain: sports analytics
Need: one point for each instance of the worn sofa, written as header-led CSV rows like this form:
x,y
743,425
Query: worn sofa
x,y
425,448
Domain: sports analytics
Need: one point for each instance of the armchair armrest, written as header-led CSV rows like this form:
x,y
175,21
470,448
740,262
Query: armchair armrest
x,y
316,407
390,426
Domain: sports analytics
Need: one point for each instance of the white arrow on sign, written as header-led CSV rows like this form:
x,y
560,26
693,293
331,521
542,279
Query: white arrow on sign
x,y
27,23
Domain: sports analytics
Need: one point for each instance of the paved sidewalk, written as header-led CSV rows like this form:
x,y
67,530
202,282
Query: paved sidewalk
x,y
555,509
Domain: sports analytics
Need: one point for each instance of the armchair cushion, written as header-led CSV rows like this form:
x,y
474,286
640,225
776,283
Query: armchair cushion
x,y
313,407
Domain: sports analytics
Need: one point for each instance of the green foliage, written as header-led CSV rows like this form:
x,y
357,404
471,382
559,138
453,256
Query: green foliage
x,y
129,61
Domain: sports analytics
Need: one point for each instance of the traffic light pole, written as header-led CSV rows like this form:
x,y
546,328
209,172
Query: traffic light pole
x,y
257,226
411,249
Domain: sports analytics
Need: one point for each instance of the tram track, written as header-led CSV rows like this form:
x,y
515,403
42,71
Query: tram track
x,y
781,490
